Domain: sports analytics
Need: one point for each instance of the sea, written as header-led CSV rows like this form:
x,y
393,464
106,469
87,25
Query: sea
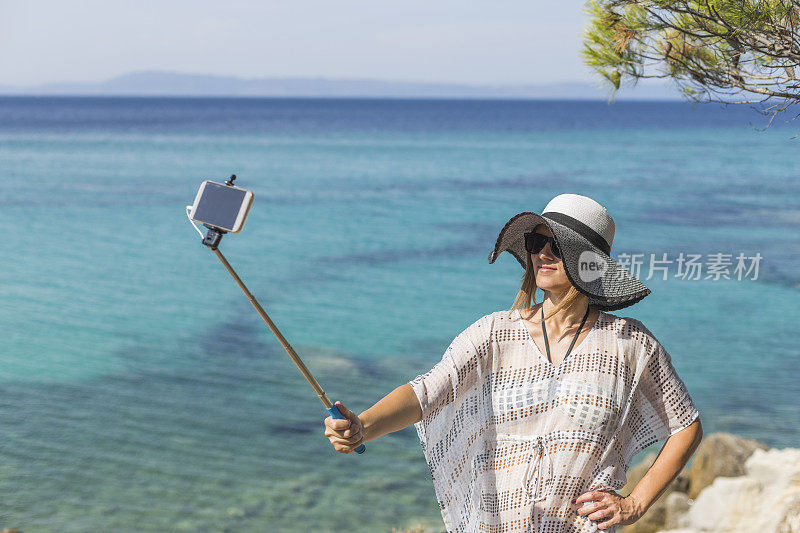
x,y
140,390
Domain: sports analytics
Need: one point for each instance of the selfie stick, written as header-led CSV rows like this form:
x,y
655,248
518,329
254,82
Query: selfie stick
x,y
211,240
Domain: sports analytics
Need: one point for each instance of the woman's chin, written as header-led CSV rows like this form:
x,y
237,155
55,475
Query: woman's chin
x,y
552,288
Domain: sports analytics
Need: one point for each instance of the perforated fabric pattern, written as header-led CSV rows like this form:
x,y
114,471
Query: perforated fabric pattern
x,y
510,439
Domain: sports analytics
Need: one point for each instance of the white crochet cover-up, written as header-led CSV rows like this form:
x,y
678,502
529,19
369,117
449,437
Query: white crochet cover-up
x,y
510,439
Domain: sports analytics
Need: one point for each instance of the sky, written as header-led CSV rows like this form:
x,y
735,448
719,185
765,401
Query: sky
x,y
468,41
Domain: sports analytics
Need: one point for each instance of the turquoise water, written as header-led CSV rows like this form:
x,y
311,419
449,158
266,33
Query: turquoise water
x,y
141,392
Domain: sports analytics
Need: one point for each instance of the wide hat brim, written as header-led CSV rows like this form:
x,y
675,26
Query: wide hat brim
x,y
614,289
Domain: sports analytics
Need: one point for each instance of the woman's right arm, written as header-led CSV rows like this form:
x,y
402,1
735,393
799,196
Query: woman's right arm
x,y
462,364
395,411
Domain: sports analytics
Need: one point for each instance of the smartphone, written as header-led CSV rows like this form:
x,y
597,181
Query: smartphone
x,y
222,206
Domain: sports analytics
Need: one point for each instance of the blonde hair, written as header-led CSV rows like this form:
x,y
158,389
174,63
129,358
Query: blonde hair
x,y
527,292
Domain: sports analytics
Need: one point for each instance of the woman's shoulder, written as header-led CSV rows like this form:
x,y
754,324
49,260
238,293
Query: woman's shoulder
x,y
632,332
484,328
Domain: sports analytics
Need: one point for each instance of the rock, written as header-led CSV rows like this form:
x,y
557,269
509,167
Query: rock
x,y
791,522
765,499
719,454
323,360
725,499
676,506
235,512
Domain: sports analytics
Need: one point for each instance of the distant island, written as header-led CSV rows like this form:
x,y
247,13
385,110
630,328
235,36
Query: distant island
x,y
156,83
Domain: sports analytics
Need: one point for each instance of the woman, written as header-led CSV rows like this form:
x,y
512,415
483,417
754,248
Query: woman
x,y
531,419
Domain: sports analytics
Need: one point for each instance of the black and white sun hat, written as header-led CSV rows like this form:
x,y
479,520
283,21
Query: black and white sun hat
x,y
583,231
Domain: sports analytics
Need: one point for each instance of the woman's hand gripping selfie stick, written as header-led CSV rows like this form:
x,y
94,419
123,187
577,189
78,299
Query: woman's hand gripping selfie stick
x,y
212,240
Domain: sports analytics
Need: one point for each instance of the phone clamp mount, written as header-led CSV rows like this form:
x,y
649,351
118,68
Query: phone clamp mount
x,y
214,234
212,240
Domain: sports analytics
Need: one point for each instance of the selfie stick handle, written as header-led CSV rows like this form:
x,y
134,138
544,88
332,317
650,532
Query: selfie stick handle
x,y
331,408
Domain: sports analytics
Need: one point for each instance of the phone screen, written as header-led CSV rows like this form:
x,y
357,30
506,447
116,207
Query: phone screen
x,y
219,206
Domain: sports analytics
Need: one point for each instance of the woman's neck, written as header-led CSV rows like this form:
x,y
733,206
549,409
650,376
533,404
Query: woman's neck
x,y
567,320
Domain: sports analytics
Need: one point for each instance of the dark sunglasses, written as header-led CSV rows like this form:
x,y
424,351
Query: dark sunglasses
x,y
534,242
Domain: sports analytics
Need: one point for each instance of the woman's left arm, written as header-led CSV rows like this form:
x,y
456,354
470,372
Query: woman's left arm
x,y
610,508
670,461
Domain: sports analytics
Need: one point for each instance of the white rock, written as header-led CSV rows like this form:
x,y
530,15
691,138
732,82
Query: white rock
x,y
725,504
765,500
676,507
